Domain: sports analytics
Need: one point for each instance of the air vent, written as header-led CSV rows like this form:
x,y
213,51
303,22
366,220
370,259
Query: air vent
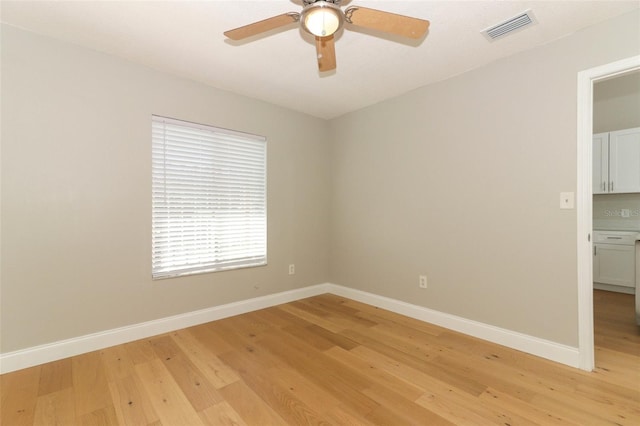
x,y
509,26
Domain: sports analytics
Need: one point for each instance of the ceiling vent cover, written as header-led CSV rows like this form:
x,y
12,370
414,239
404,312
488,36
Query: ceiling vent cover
x,y
509,26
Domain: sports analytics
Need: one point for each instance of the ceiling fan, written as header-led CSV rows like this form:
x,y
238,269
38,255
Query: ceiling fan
x,y
322,18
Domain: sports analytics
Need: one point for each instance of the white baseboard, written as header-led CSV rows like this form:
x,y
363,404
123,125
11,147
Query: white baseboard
x,y
41,354
614,288
523,342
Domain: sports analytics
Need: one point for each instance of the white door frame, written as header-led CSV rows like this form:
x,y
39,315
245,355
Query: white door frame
x,y
584,202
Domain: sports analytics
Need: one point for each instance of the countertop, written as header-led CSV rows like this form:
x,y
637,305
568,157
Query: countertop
x,y
621,231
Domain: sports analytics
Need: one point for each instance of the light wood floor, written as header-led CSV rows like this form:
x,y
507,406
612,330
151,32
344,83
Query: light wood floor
x,y
329,360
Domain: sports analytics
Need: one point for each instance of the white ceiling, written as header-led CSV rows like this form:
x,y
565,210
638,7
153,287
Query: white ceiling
x,y
185,38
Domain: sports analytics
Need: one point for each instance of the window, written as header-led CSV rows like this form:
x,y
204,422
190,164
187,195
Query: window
x,y
208,199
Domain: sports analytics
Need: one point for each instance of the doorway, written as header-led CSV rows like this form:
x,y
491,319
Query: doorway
x,y
584,200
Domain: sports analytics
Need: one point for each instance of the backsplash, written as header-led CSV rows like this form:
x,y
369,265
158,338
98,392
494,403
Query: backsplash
x,y
616,211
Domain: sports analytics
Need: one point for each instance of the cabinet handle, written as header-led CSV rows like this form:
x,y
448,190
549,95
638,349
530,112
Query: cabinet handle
x,y
595,249
611,186
604,186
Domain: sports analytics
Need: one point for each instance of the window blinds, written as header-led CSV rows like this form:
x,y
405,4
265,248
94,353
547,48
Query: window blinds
x,y
208,198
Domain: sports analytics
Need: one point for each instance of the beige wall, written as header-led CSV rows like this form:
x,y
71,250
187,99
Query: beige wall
x,y
76,205
616,103
460,181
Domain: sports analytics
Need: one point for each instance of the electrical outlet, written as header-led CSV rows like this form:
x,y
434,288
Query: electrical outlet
x,y
422,281
292,269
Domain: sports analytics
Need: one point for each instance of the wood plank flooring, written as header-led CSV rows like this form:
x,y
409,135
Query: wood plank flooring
x,y
332,361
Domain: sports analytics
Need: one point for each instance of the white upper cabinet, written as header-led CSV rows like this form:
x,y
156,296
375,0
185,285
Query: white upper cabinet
x,y
616,162
624,160
600,163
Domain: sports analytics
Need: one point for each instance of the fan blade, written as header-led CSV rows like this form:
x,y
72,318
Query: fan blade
x,y
263,26
388,22
326,52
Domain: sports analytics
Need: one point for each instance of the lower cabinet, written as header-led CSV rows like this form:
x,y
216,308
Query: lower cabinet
x,y
614,265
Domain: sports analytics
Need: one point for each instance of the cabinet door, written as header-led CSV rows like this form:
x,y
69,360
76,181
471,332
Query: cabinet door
x,y
600,163
614,264
624,160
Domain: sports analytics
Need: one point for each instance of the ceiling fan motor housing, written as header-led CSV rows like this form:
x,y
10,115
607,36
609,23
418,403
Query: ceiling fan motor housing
x,y
308,2
322,18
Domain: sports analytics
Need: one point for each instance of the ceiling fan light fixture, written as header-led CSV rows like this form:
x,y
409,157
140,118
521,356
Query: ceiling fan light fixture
x,y
322,19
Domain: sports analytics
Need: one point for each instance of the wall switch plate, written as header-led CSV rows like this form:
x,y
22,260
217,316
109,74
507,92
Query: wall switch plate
x,y
567,200
292,269
422,281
